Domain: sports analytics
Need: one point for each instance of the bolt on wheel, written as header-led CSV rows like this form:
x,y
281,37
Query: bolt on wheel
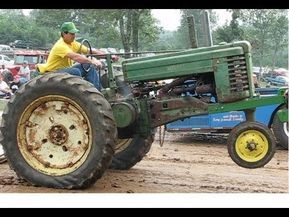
x,y
54,135
251,145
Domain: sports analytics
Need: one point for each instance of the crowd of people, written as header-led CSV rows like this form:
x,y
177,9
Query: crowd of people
x,y
9,83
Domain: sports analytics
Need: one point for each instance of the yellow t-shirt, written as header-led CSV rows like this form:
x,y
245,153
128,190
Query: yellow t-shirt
x,y
58,59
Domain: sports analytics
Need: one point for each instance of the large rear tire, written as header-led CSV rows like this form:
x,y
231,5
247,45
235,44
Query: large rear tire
x,y
281,131
58,131
251,144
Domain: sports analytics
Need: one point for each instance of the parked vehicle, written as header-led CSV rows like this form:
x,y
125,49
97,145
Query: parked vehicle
x,y
6,50
31,56
225,122
280,81
279,72
5,60
21,44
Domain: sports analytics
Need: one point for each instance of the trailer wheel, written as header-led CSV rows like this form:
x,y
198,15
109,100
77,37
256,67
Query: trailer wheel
x,y
281,131
130,151
58,131
251,144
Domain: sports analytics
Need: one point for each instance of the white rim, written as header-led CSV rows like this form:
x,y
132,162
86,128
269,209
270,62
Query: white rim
x,y
54,135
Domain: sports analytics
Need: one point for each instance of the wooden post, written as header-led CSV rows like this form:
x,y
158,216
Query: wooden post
x,y
192,32
207,29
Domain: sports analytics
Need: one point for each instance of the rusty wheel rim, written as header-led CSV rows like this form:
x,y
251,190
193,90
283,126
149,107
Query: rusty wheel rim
x,y
54,135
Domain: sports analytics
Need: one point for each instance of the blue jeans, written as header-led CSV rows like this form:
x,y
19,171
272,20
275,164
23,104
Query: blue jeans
x,y
92,75
23,80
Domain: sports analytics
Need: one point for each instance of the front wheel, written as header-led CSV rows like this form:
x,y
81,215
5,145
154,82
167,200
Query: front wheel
x,y
58,131
251,144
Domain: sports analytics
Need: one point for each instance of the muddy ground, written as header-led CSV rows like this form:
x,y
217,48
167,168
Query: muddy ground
x,y
186,163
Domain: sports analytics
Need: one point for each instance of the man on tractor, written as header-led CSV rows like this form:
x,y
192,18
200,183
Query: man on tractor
x,y
65,52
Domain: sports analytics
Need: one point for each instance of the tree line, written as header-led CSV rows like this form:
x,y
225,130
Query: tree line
x,y
138,30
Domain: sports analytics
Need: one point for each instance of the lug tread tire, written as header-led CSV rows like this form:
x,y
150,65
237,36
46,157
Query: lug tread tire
x,y
96,107
248,125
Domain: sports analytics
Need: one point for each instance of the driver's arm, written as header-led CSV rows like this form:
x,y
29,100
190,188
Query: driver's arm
x,y
85,50
103,54
82,59
98,52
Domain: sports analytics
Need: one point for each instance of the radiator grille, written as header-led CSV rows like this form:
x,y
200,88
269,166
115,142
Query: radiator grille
x,y
238,76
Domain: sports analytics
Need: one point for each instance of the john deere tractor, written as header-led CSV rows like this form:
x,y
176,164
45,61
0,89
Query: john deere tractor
x,y
59,131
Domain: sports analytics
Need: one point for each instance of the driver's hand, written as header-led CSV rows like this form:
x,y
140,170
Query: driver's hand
x,y
97,63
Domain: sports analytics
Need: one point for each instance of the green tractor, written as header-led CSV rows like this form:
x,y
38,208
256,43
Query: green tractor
x,y
59,131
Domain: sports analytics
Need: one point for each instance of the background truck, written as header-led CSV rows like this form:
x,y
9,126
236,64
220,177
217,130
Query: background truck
x,y
59,131
225,122
33,57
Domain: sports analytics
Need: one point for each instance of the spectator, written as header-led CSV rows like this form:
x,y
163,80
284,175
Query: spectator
x,y
6,73
9,79
3,69
24,73
5,91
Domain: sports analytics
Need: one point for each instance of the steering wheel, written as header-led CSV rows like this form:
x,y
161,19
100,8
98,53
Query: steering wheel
x,y
86,67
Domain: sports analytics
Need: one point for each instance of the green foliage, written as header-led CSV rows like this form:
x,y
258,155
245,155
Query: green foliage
x,y
230,32
149,31
53,18
14,25
266,30
163,42
99,27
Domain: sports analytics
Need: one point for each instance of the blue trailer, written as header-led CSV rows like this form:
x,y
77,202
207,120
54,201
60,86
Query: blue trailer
x,y
224,122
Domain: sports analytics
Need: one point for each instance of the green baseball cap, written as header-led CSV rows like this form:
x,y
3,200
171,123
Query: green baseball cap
x,y
68,27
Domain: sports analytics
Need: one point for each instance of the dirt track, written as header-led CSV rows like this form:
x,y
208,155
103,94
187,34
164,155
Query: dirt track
x,y
185,164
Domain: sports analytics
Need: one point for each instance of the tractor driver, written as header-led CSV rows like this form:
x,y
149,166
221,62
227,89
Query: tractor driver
x,y
64,53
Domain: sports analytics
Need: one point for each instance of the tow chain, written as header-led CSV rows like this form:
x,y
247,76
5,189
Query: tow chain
x,y
162,132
